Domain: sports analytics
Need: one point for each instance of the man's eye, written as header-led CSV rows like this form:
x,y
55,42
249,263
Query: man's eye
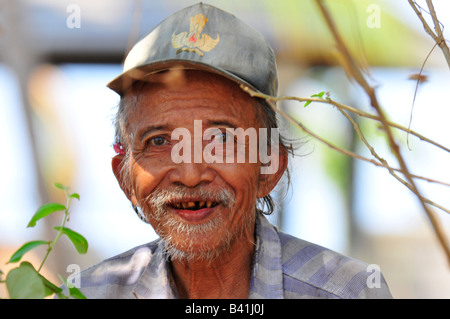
x,y
222,137
158,141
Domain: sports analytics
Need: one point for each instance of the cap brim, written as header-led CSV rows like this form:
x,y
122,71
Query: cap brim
x,y
124,81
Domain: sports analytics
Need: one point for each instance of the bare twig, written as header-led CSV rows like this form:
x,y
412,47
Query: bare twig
x,y
415,91
381,162
350,109
438,37
354,69
437,26
384,162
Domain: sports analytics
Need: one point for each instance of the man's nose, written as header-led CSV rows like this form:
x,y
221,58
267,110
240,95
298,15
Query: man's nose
x,y
191,174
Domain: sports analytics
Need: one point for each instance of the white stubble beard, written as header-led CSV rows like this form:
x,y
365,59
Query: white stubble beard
x,y
172,227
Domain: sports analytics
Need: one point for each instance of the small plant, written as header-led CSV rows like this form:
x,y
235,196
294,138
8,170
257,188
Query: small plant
x,y
25,282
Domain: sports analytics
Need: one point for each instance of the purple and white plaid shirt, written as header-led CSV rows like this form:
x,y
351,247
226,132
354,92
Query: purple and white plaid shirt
x,y
283,267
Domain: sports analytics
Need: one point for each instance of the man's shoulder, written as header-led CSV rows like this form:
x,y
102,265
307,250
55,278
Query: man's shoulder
x,y
116,276
315,271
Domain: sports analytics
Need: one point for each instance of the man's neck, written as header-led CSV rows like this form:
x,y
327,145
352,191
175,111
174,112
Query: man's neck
x,y
228,276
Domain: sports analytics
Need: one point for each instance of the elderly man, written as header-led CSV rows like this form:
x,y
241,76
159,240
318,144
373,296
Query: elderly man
x,y
198,158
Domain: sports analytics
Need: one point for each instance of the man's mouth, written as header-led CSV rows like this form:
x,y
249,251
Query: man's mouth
x,y
194,211
193,205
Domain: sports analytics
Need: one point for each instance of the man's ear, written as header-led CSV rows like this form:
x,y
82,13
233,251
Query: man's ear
x,y
117,163
270,176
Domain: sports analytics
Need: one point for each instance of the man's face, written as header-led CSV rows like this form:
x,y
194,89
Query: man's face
x,y
199,209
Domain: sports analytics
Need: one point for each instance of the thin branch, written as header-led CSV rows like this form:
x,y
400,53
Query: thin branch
x,y
382,163
415,91
351,65
427,28
439,37
350,109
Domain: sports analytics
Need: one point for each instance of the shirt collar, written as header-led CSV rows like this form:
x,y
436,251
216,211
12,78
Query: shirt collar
x,y
156,281
267,275
266,282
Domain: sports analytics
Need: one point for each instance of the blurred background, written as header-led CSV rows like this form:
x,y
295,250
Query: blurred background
x,y
56,57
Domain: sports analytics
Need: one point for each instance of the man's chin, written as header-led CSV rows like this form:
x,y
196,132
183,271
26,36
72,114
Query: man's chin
x,y
193,253
199,242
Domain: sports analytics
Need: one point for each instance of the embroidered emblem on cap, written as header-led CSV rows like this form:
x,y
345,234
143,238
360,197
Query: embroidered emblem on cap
x,y
192,41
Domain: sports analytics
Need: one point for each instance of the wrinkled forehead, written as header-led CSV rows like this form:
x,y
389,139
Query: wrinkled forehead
x,y
190,85
179,79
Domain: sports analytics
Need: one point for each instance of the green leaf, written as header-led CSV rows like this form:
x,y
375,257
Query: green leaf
x,y
315,95
75,195
73,291
50,288
78,240
61,186
76,293
44,211
24,282
318,94
26,248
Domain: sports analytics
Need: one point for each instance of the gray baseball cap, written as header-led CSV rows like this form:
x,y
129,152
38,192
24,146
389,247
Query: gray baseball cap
x,y
203,37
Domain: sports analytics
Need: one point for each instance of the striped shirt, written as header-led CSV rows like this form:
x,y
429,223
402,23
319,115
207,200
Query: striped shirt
x,y
283,267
